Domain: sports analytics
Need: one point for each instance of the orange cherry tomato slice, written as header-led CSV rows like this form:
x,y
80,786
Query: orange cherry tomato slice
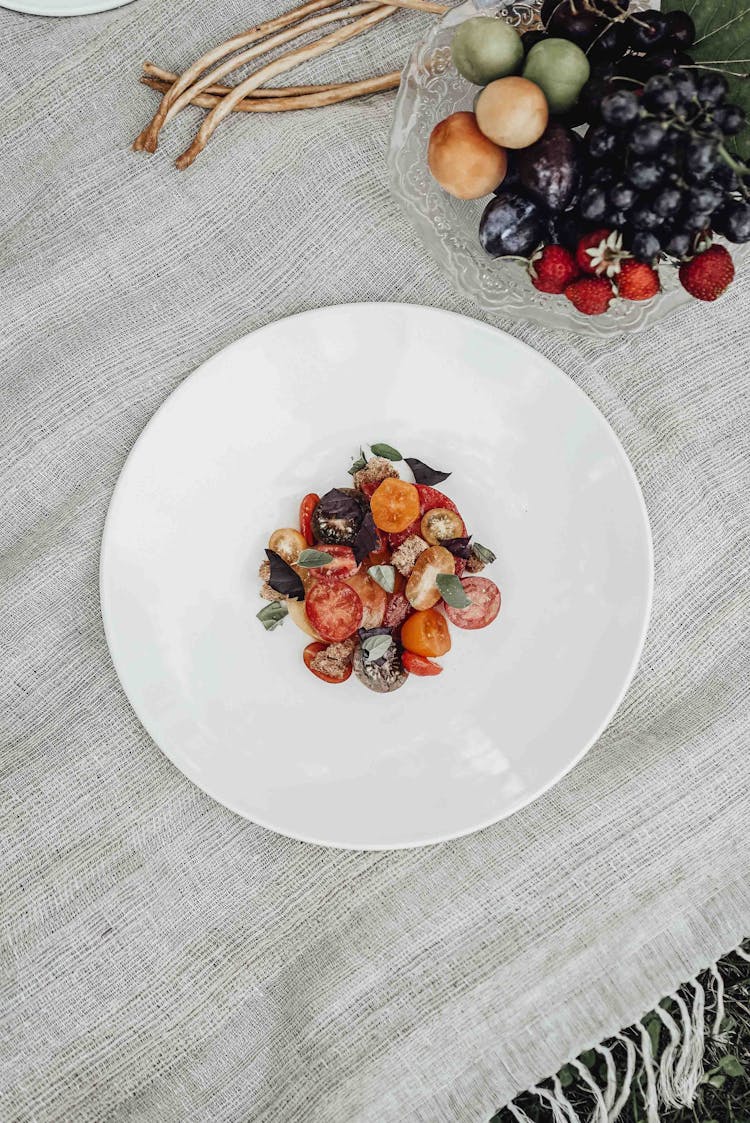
x,y
309,654
485,604
374,599
344,563
418,665
426,633
421,588
334,610
394,504
306,508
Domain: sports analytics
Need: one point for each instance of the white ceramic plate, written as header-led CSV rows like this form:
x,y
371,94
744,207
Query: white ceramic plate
x,y
539,477
62,7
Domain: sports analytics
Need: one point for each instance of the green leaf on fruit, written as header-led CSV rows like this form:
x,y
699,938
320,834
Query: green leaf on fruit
x,y
358,464
314,559
384,575
272,615
388,452
483,553
452,591
722,38
375,647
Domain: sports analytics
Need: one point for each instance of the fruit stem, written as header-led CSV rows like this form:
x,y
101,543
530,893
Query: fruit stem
x,y
737,166
718,69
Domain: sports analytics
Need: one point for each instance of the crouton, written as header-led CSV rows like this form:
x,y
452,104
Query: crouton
x,y
474,564
375,471
407,553
270,594
264,570
334,659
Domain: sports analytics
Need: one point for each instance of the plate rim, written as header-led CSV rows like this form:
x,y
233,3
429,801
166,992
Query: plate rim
x,y
516,805
79,9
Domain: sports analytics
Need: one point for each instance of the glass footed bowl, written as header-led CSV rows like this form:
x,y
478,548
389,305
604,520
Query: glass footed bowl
x,y
430,90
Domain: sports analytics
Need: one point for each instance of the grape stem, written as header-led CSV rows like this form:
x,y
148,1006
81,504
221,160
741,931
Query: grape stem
x,y
737,166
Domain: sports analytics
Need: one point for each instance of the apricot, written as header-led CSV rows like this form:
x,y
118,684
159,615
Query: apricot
x,y
463,161
512,112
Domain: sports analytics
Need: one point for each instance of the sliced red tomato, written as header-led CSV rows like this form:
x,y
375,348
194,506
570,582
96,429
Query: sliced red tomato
x,y
460,566
306,508
334,610
344,563
485,604
430,498
419,665
398,537
368,489
309,654
397,610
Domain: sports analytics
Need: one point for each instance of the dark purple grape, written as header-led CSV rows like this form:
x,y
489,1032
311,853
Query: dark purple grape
x,y
574,23
679,244
613,8
659,94
644,217
511,224
603,174
593,204
701,156
663,60
730,118
609,43
703,197
684,83
733,222
680,29
600,142
622,196
616,218
646,138
646,29
668,202
644,174
724,177
619,109
645,246
695,220
567,229
712,88
531,38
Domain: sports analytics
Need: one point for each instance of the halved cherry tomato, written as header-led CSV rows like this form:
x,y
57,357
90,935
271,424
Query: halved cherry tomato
x,y
344,563
440,523
334,610
418,665
306,508
394,504
374,599
287,543
421,588
397,610
309,654
485,604
426,633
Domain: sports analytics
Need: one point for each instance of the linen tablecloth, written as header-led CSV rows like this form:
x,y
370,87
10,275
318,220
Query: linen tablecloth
x,y
162,959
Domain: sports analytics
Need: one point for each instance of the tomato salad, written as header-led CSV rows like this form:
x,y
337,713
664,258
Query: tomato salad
x,y
376,573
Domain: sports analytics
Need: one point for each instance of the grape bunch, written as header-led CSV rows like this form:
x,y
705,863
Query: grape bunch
x,y
657,167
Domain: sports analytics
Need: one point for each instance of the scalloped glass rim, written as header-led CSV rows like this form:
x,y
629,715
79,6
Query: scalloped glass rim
x,y
430,90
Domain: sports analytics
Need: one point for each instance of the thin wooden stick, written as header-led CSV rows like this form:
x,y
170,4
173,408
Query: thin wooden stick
x,y
278,40
345,91
148,137
271,70
167,78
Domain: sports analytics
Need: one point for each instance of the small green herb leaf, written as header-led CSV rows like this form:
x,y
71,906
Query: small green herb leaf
x,y
314,559
452,591
272,614
483,553
385,575
732,1066
358,464
565,1076
716,1081
588,1058
375,647
386,451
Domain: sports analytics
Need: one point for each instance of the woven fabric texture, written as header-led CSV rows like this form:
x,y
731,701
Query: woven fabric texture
x,y
161,959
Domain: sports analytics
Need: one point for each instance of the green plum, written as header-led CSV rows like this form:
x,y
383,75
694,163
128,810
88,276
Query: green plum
x,y
560,69
485,48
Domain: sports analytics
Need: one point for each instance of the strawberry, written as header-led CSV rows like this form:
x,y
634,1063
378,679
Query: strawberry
x,y
600,252
552,268
637,280
590,295
708,274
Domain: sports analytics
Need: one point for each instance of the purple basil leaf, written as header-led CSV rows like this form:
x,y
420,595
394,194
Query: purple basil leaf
x,y
340,504
367,539
459,547
283,578
424,474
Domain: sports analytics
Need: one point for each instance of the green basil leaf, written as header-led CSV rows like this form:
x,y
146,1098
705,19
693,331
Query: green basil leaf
x,y
272,614
375,647
452,591
386,451
358,464
384,575
483,553
313,559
